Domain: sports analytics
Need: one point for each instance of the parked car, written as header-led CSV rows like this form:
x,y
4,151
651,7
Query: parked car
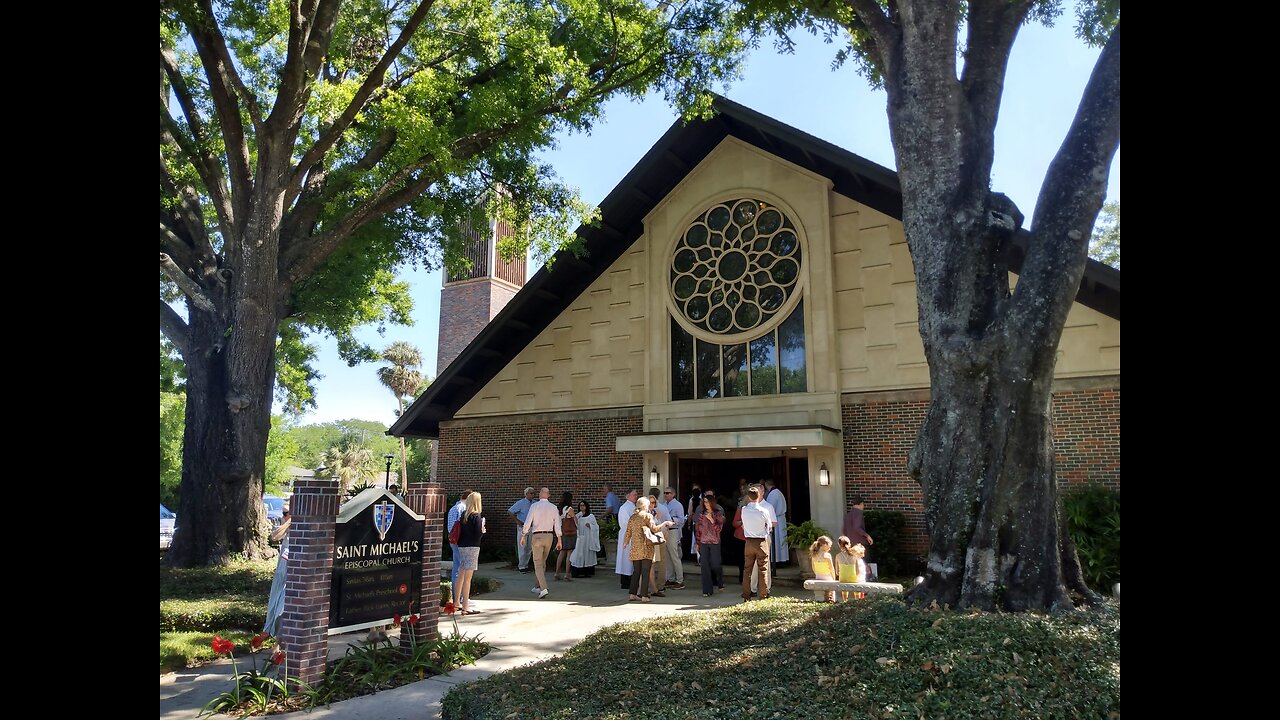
x,y
168,523
275,509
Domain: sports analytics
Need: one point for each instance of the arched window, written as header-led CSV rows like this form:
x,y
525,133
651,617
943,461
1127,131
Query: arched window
x,y
738,321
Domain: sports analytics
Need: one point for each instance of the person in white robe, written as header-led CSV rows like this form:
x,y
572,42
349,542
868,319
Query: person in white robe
x,y
582,561
622,562
781,553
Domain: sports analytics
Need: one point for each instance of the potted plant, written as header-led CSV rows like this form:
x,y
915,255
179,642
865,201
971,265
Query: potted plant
x,y
799,538
608,534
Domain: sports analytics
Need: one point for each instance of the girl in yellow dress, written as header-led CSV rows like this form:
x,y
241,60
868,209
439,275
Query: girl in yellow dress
x,y
823,567
852,568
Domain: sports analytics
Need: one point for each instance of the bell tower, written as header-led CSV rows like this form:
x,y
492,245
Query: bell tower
x,y
469,300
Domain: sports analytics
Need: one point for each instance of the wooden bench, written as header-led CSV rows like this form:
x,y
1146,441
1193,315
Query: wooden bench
x,y
863,587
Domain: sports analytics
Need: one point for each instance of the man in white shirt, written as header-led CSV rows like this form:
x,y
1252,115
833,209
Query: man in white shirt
x,y
542,523
622,561
455,514
773,526
675,563
755,526
781,553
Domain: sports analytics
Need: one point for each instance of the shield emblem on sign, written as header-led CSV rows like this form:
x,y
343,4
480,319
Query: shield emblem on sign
x,y
383,514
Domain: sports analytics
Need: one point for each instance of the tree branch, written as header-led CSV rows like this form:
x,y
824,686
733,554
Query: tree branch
x,y
197,152
884,32
212,48
188,210
321,186
189,287
358,101
174,328
993,26
172,136
1071,196
310,30
175,246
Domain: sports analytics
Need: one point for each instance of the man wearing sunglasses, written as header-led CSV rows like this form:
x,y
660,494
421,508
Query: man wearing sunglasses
x,y
674,563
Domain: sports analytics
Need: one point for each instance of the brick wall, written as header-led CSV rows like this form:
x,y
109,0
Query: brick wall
x,y
465,308
1086,437
500,460
878,436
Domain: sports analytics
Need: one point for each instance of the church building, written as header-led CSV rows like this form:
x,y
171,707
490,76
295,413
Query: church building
x,y
746,308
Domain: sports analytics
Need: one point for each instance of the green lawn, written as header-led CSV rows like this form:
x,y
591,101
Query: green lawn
x,y
786,658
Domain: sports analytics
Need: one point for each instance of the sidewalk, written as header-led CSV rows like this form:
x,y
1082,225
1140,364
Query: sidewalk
x,y
520,627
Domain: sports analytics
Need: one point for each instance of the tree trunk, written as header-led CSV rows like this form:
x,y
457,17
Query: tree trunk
x,y
984,460
984,457
231,372
223,459
404,455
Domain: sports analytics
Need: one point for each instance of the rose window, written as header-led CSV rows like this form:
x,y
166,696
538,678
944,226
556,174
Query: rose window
x,y
735,266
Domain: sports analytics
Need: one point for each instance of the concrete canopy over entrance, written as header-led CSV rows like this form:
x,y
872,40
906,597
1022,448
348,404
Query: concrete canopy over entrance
x,y
812,436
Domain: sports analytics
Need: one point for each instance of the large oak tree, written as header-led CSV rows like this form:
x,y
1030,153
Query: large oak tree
x,y
307,147
984,455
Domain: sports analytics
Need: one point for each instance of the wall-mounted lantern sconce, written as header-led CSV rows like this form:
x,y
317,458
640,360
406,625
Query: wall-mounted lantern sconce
x,y
653,477
824,475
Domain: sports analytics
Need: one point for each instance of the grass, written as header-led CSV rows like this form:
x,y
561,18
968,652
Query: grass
x,y
184,648
875,658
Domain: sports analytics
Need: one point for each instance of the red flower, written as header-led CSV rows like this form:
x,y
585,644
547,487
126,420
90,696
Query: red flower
x,y
396,618
413,619
448,608
222,647
258,640
278,656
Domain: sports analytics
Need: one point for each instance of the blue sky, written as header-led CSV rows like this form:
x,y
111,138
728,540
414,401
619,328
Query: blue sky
x,y
1047,72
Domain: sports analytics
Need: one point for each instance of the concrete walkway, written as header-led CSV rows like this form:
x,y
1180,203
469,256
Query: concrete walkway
x,y
520,627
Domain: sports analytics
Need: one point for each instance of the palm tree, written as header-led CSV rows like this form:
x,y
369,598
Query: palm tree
x,y
348,463
402,379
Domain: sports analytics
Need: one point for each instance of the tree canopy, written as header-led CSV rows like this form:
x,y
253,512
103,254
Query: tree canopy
x,y
309,148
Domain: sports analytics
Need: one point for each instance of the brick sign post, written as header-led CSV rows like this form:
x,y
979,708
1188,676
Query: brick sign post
x,y
304,633
427,498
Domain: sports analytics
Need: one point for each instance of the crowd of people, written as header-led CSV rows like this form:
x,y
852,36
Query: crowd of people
x,y
650,545
650,556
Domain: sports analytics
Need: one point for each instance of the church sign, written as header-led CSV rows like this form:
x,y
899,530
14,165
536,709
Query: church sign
x,y
377,561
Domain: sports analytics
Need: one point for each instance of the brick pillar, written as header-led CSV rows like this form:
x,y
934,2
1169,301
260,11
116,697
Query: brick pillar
x,y
427,498
304,627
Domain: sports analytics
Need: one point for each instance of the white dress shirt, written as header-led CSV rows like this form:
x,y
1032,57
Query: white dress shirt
x,y
756,519
543,517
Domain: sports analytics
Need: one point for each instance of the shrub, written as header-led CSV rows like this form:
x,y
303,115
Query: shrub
x,y
1093,519
206,614
805,534
886,527
609,528
237,577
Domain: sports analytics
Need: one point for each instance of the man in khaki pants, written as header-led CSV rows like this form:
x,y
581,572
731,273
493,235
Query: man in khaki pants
x,y
674,563
542,522
755,526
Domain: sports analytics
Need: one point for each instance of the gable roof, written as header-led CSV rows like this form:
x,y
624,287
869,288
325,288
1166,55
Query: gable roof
x,y
677,152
